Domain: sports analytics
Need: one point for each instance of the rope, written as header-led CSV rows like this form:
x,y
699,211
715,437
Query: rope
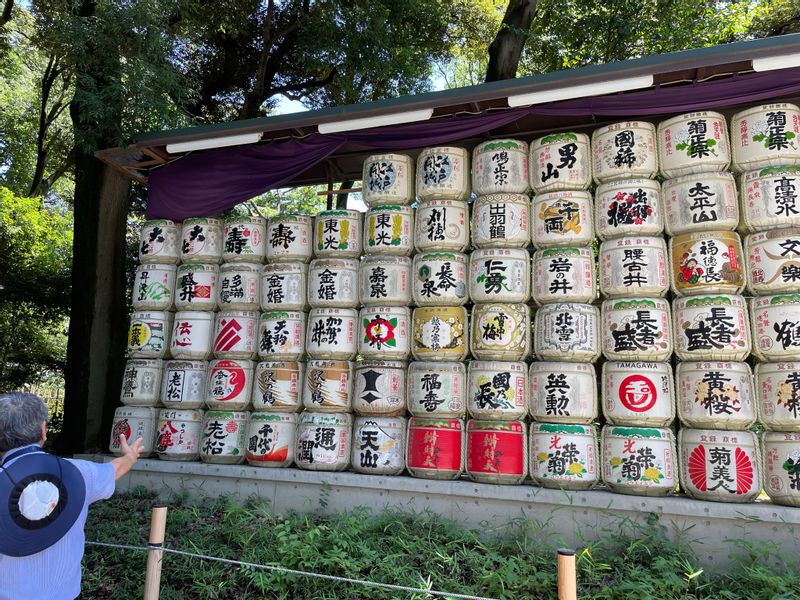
x,y
388,586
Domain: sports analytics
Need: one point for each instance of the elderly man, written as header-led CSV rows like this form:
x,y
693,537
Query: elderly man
x,y
44,500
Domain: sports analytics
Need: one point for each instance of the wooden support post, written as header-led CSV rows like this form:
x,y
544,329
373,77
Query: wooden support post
x,y
567,583
152,580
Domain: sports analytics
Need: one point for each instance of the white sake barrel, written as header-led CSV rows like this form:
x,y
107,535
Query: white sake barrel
x,y
436,447
628,207
385,280
235,334
711,328
197,286
192,335
715,395
289,239
224,437
782,467
501,221
437,389
443,174
158,242
229,385
695,142
719,465
639,460
710,262
634,266
440,333
440,279
637,329
497,390
560,161
388,178
776,327
497,451
154,287
184,384
281,335
765,136
283,286
178,434
500,275
323,441
563,392
567,332
389,230
778,388
380,388
332,283
500,166
148,334
134,422
564,275
562,219
141,382
702,202
770,198
501,331
639,394
201,240
773,262
379,445
276,386
239,286
624,151
244,239
271,439
564,456
331,333
328,386
441,225
384,332
337,234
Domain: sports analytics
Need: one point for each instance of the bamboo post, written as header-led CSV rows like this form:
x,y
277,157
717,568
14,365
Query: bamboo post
x,y
567,583
152,580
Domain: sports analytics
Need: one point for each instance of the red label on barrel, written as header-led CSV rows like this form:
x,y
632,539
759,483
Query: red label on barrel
x,y
637,393
436,448
500,452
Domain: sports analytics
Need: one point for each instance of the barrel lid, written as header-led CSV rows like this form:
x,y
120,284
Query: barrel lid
x,y
195,314
227,414
182,415
566,429
175,365
557,138
198,266
252,268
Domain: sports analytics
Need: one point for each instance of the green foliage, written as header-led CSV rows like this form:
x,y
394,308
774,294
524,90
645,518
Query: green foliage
x,y
473,25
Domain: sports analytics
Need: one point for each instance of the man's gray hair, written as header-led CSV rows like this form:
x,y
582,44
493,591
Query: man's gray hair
x,y
21,418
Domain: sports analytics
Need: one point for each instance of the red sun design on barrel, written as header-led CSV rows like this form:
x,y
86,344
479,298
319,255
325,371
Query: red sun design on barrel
x,y
637,393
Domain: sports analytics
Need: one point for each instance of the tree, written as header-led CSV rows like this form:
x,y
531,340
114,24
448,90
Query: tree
x,y
506,48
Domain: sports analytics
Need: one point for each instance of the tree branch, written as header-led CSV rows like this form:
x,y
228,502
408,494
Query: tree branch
x,y
5,17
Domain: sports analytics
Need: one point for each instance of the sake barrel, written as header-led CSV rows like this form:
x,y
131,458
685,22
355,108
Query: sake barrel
x,y
773,261
337,234
638,394
178,434
276,386
500,275
239,286
389,230
328,386
501,331
201,240
560,161
134,422
289,239
634,266
765,136
710,262
639,460
440,333
564,456
153,287
333,282
224,437
437,389
715,395
782,467
567,332
148,334
435,448
141,382
564,275
283,286
184,384
197,286
778,387
158,242
637,329
245,239
498,390
695,142
281,335
192,335
563,392
384,332
385,280
628,207
235,334
719,465
624,151
441,225
776,327
229,384
379,445
440,279
501,221
388,178
711,328
770,198
323,441
443,174
500,166
702,202
331,333
380,388
271,439
562,219
497,451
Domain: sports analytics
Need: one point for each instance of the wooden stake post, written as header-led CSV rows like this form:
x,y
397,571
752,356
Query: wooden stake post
x,y
567,583
152,580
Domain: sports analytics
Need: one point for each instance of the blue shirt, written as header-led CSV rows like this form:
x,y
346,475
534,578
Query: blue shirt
x,y
55,573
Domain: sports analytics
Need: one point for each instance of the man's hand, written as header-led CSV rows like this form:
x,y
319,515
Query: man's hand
x,y
130,454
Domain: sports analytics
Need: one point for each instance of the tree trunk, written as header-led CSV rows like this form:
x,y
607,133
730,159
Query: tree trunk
x,y
341,199
506,48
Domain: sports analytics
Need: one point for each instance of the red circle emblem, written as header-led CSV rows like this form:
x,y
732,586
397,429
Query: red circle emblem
x,y
637,393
